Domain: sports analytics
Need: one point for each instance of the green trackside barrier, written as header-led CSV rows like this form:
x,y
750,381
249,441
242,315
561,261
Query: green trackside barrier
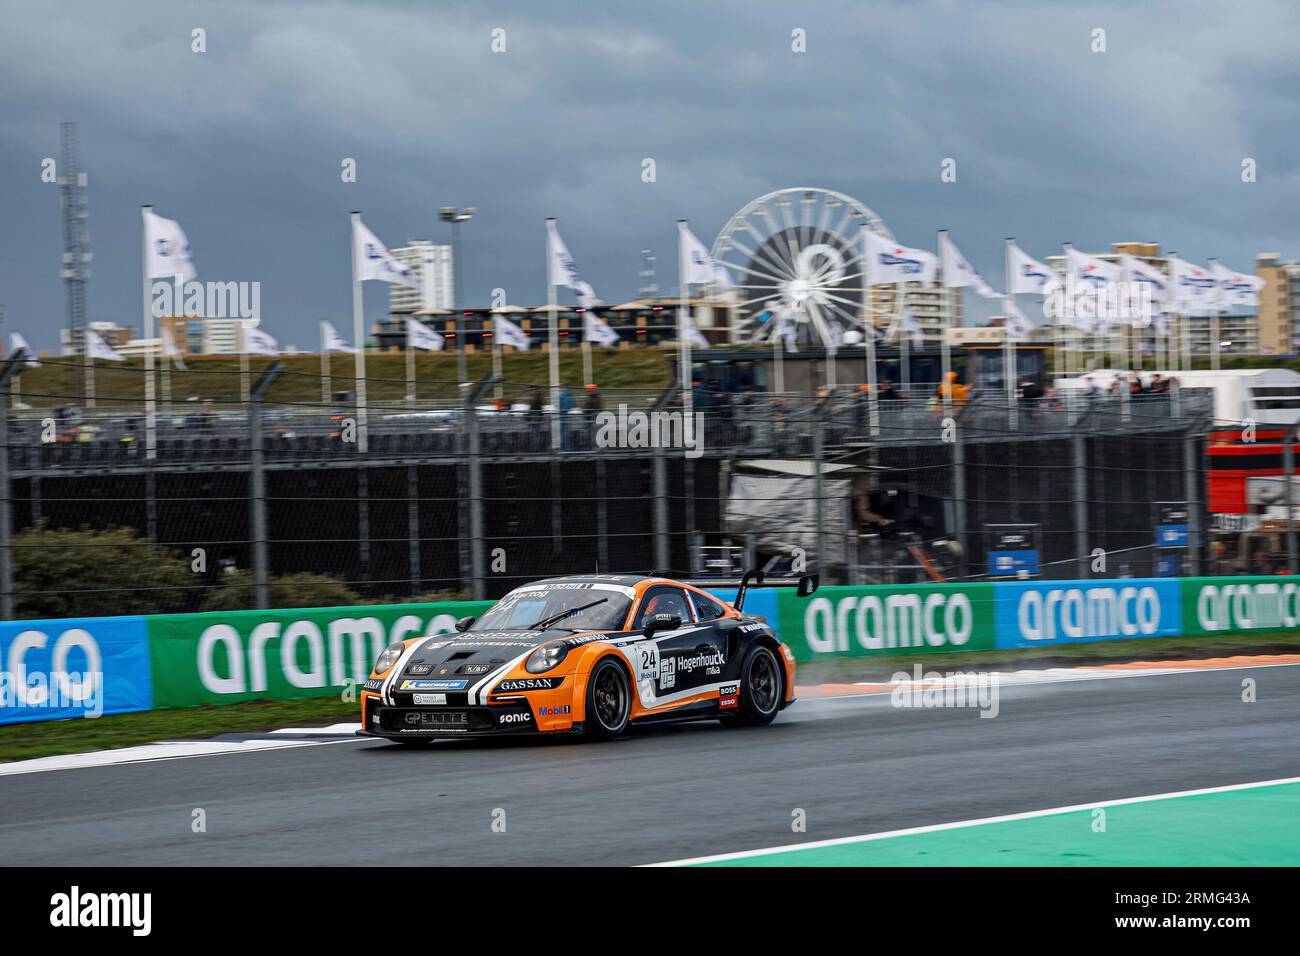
x,y
1235,605
882,620
224,657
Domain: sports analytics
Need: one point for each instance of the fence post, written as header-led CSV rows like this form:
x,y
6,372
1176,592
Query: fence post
x,y
257,480
819,484
11,367
1191,490
413,526
959,498
1081,504
660,471
478,569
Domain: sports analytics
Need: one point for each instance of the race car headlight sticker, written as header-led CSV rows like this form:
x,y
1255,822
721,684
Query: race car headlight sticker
x,y
545,657
389,657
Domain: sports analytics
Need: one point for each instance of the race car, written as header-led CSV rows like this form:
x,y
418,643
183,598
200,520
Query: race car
x,y
588,655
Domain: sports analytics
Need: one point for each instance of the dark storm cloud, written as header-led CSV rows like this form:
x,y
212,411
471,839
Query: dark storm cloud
x,y
243,144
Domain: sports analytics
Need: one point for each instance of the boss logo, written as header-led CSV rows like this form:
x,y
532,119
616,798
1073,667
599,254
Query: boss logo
x,y
729,690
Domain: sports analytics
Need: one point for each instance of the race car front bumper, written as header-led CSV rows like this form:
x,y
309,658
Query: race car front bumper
x,y
401,721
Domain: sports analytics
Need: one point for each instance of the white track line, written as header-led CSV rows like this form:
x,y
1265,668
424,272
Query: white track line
x,y
148,753
939,827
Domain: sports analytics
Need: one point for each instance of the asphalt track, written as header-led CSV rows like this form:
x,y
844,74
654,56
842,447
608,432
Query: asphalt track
x,y
854,765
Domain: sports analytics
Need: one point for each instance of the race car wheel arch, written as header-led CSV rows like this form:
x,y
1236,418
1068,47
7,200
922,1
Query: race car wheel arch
x,y
607,699
784,666
762,689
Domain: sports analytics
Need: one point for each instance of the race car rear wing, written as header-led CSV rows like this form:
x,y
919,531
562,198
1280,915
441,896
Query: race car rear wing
x,y
804,585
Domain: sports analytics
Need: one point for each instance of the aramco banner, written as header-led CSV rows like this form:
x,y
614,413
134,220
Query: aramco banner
x,y
224,657
872,621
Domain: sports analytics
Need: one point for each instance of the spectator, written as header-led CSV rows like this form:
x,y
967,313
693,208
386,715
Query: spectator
x,y
953,390
888,393
593,404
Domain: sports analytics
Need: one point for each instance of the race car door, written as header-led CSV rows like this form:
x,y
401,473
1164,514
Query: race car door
x,y
691,656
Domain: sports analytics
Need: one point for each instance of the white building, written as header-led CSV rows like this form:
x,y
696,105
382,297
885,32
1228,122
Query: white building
x,y
432,265
221,337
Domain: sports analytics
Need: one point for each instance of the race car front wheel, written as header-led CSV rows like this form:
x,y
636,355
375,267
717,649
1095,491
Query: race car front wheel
x,y
760,689
608,701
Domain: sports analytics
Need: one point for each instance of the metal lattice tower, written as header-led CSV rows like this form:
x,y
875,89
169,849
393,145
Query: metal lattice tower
x,y
76,233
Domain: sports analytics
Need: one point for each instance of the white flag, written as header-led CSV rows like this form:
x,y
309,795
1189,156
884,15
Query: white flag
x,y
257,342
97,348
687,330
18,342
1194,289
595,329
372,260
169,347
1140,274
168,250
698,265
562,270
957,272
1148,291
1089,272
1015,322
888,262
331,341
1235,289
420,336
510,334
1028,275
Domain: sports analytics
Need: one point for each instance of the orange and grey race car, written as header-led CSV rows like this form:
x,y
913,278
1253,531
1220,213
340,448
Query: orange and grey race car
x,y
587,655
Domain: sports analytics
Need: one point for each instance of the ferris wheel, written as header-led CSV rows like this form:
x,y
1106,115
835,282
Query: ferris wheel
x,y
795,253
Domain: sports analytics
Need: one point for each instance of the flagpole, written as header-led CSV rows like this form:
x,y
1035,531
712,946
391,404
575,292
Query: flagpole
x,y
324,368
869,327
683,346
1215,315
586,349
166,370
553,340
150,400
945,350
1008,352
359,340
498,389
410,368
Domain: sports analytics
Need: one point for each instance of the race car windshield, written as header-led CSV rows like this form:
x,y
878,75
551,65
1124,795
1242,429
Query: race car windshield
x,y
521,612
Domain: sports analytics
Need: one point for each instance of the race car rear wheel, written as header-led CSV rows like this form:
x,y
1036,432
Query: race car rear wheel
x,y
609,701
760,689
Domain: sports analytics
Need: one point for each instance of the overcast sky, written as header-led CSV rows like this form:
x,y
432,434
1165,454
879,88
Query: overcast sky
x,y
243,144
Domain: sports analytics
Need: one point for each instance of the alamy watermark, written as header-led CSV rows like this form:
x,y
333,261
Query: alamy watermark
x,y
206,300
931,690
638,429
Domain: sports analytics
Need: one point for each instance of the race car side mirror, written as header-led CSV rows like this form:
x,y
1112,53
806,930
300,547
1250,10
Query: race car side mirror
x,y
465,623
662,622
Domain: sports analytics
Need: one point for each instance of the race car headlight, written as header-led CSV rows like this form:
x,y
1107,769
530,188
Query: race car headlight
x,y
389,656
545,657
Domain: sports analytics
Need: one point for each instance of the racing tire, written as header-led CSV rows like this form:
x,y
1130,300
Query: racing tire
x,y
760,689
609,701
